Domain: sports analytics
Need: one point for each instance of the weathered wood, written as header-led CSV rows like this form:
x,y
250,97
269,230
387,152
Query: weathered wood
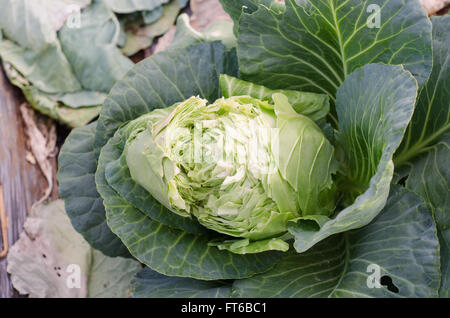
x,y
23,183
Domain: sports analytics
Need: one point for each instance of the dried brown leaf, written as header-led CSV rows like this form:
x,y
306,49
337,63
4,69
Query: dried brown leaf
x,y
42,143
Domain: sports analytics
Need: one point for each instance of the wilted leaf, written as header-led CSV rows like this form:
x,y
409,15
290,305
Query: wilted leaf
x,y
49,255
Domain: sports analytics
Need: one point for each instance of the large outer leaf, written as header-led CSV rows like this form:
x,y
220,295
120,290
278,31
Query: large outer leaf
x,y
91,49
150,284
162,80
39,261
432,114
430,177
48,69
429,172
314,45
167,250
77,166
374,106
401,241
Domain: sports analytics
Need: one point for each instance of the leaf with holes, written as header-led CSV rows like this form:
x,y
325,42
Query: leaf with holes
x,y
374,107
399,247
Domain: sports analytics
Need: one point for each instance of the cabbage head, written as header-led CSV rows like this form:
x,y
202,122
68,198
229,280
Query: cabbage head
x,y
241,166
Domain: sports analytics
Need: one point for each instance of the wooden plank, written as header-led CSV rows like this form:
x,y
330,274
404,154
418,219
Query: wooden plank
x,y
22,183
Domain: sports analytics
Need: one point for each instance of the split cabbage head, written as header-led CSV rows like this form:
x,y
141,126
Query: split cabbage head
x,y
241,166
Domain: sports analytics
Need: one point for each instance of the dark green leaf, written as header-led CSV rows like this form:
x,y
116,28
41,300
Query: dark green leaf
x,y
401,241
84,206
314,45
150,284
